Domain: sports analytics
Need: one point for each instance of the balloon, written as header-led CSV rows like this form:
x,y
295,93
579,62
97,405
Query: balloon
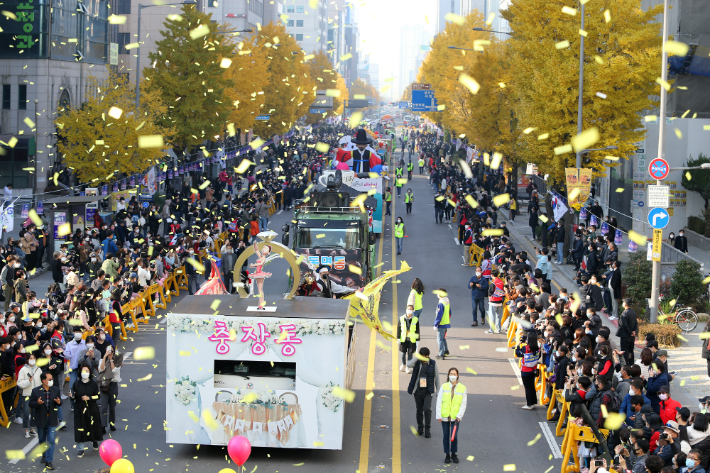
x,y
227,470
110,451
239,449
122,466
377,168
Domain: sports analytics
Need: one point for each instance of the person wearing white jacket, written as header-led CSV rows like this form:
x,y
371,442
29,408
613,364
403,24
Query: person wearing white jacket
x,y
450,408
27,380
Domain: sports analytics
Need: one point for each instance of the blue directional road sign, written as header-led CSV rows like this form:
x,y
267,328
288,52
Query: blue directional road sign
x,y
403,104
658,218
263,117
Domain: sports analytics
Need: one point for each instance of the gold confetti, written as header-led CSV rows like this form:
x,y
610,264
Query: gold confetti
x,y
199,32
455,19
115,112
243,166
585,139
470,83
607,16
492,232
150,141
370,395
582,32
439,292
471,201
322,147
64,229
144,353
470,458
196,264
150,375
563,149
345,394
509,467
544,136
28,121
472,371
495,163
117,19
529,130
562,44
678,133
569,11
354,269
619,189
534,441
256,143
225,63
614,420
501,200
638,238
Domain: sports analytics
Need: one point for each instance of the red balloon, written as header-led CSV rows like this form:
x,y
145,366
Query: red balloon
x,y
239,449
110,451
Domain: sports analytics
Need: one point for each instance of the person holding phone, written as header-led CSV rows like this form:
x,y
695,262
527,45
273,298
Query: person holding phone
x,y
450,408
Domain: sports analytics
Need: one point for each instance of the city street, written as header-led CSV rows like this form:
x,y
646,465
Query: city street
x,y
378,432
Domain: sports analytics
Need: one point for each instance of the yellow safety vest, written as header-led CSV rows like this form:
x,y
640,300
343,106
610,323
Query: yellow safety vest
x,y
445,317
410,166
417,300
408,197
398,171
421,163
399,230
450,406
412,329
388,196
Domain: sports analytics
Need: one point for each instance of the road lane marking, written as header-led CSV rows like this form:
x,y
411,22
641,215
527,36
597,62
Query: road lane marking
x,y
396,420
33,443
456,240
550,439
127,355
369,381
279,212
516,369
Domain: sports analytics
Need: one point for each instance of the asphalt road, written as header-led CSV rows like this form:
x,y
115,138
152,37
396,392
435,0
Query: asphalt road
x,y
377,437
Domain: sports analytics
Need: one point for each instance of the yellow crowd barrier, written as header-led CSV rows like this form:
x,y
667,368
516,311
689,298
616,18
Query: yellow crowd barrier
x,y
541,384
573,436
5,386
512,333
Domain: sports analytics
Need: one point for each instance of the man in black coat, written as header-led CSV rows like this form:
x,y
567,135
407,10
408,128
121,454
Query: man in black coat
x,y
628,328
44,402
681,242
614,279
423,384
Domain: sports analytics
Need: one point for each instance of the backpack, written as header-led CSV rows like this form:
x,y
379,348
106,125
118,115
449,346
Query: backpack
x,y
614,401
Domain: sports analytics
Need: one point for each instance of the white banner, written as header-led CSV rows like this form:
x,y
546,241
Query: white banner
x,y
150,182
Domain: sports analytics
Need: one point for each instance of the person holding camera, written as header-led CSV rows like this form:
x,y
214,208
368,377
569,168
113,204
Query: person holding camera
x,y
667,445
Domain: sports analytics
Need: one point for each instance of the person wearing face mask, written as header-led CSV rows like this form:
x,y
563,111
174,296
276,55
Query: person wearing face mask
x,y
450,408
479,290
7,276
103,341
681,242
668,405
408,334
399,234
44,402
692,462
87,417
28,378
72,352
109,377
423,384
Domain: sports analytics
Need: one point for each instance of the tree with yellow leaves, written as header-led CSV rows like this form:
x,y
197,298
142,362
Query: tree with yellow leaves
x,y
407,94
291,88
187,73
622,51
321,70
101,136
361,90
248,68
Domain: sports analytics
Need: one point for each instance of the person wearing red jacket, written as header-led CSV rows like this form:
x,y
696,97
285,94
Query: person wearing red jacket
x,y
668,405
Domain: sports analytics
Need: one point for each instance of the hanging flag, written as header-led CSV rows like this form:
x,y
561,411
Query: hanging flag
x,y
559,209
150,182
632,246
583,213
605,228
594,221
619,238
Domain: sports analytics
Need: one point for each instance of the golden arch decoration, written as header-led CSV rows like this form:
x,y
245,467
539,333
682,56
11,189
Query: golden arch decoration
x,y
276,247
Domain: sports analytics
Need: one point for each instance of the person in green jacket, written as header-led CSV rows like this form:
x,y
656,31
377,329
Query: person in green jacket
x,y
399,234
408,199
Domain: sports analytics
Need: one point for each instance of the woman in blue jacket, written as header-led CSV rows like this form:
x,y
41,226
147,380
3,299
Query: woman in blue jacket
x,y
658,378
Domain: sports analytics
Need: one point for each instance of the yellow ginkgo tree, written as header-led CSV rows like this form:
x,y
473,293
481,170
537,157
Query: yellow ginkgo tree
x,y
622,58
291,88
326,78
101,137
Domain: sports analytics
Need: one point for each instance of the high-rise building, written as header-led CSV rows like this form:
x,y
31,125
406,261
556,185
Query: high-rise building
x,y
352,41
411,54
375,75
308,26
443,7
335,44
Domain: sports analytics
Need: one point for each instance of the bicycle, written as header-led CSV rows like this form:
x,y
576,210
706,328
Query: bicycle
x,y
683,317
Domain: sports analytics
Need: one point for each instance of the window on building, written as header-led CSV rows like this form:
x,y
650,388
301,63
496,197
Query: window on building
x,y
300,9
289,23
299,37
6,89
290,9
14,161
124,7
123,40
299,23
22,97
331,35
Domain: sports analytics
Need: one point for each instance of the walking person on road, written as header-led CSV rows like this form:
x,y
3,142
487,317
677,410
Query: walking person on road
x,y
87,418
442,322
479,290
408,335
423,384
415,297
45,401
628,328
496,292
408,199
28,379
399,234
560,242
450,408
388,201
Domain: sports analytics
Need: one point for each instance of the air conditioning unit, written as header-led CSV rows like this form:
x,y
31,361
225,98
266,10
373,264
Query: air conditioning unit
x,y
329,199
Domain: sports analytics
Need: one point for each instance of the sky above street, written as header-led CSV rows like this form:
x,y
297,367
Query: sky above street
x,y
380,23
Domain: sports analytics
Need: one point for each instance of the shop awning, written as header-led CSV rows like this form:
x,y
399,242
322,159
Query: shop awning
x,y
75,200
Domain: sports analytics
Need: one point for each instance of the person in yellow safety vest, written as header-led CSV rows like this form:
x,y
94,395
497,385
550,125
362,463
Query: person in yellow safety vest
x,y
410,168
415,296
408,336
399,234
399,181
388,201
450,408
408,199
442,322
421,165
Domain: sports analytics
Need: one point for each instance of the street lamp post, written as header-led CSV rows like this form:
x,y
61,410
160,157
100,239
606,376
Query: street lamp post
x,y
655,280
578,162
138,57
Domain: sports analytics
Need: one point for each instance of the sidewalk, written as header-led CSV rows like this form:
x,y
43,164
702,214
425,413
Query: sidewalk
x,y
691,381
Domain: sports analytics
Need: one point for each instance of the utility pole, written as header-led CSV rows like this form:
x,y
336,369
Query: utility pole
x,y
655,280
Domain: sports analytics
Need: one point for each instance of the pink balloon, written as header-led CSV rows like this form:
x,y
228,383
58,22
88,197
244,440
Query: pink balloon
x,y
110,451
239,449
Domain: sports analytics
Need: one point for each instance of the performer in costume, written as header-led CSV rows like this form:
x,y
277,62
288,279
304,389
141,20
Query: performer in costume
x,y
364,158
259,275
